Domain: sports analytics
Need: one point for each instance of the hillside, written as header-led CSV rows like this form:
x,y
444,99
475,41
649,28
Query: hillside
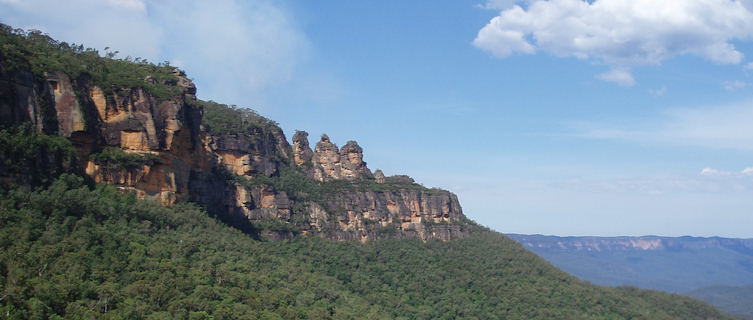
x,y
710,269
77,252
123,196
674,264
736,300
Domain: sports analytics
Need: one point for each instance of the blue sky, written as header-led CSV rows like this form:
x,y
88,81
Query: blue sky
x,y
608,117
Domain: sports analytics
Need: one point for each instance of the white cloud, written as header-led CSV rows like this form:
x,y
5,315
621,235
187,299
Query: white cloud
x,y
239,49
726,127
619,76
97,24
747,171
734,85
713,172
498,4
234,49
621,33
749,66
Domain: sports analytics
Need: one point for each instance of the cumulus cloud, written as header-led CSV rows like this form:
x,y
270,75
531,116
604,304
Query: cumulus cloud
x,y
726,127
747,171
234,49
621,33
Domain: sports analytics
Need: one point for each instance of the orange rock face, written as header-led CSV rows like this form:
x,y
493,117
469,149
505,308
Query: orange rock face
x,y
231,174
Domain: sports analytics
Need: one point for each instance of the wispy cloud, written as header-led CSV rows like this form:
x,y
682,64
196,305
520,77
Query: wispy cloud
x,y
720,127
235,49
711,172
619,76
732,86
620,33
499,4
658,92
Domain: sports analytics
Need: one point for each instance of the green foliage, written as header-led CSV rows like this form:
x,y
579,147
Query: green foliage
x,y
75,252
115,158
221,119
33,158
39,53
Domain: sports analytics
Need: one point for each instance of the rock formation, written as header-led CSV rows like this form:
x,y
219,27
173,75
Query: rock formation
x,y
254,175
379,176
326,160
329,163
301,151
351,162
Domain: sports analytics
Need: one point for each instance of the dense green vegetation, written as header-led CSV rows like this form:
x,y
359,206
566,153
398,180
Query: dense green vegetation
x,y
76,252
32,158
38,52
116,158
221,119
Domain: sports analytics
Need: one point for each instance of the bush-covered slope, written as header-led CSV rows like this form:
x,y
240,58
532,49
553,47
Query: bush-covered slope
x,y
735,300
75,252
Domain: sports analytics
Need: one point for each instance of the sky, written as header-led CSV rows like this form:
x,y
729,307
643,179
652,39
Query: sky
x,y
560,117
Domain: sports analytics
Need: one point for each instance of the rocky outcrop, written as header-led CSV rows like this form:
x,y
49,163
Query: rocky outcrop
x,y
128,118
302,153
248,155
326,160
351,162
329,163
247,177
403,212
68,111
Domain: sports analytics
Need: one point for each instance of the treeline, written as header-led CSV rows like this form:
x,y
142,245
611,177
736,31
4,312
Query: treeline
x,y
38,52
73,251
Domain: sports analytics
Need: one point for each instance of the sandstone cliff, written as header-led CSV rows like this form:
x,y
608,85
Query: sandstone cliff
x,y
154,139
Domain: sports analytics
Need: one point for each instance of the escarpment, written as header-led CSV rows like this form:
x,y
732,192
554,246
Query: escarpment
x,y
150,136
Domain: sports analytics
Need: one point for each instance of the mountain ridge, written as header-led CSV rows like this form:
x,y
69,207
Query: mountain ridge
x,y
85,142
674,264
232,160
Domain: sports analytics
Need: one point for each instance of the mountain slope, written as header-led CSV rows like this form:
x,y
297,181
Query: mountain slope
x,y
69,251
664,263
731,299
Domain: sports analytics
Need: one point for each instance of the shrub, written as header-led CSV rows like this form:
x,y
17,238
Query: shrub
x,y
115,158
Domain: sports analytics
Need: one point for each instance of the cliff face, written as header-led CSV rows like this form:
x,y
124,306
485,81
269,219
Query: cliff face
x,y
157,148
128,118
